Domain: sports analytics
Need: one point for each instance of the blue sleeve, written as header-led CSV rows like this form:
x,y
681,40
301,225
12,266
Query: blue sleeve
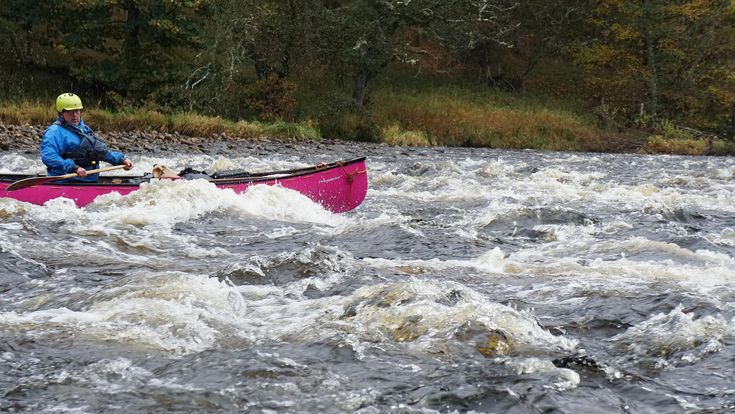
x,y
53,145
114,157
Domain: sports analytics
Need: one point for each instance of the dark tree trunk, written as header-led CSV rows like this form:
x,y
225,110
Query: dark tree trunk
x,y
650,40
360,87
131,47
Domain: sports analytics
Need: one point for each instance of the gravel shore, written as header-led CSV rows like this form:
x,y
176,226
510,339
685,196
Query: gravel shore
x,y
27,139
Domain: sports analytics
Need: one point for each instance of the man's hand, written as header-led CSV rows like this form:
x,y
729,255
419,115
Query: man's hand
x,y
81,172
128,164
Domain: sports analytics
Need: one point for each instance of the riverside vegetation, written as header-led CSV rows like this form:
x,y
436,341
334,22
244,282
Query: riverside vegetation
x,y
444,116
613,75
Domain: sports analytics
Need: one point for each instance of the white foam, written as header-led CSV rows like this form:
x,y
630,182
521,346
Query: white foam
x,y
174,312
15,163
490,262
420,310
678,332
165,203
566,379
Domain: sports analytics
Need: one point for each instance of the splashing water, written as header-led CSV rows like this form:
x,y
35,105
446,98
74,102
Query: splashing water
x,y
468,280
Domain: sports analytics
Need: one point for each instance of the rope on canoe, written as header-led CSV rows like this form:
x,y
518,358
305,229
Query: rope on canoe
x,y
350,175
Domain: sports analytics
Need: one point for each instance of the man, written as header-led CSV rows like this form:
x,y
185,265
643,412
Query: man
x,y
70,146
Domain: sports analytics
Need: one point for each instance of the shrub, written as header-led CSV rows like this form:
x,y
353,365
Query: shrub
x,y
683,146
341,117
197,125
722,147
298,131
394,135
271,98
245,129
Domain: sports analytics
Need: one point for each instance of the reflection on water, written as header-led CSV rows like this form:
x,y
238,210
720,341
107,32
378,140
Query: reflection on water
x,y
477,280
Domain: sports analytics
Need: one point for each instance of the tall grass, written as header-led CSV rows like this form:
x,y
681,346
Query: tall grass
x,y
464,117
408,114
26,113
659,144
185,123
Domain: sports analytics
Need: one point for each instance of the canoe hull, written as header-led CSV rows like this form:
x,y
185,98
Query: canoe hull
x,y
339,186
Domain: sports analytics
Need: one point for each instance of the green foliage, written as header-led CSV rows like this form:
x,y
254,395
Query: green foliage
x,y
463,116
722,147
679,53
290,130
361,37
343,118
394,135
271,98
129,47
683,146
252,50
24,32
254,59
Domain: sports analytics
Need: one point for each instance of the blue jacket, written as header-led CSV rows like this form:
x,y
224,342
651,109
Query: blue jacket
x,y
59,143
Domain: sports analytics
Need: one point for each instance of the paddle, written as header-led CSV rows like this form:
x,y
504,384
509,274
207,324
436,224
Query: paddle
x,y
29,182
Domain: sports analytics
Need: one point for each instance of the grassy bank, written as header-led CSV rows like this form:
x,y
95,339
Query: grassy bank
x,y
463,117
437,116
184,123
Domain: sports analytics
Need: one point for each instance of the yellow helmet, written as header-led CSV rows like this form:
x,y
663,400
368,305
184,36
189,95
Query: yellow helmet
x,y
68,102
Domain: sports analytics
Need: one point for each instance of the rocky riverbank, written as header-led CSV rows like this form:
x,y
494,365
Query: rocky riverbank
x,y
27,139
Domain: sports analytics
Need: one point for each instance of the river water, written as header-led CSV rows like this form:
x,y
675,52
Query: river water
x,y
468,281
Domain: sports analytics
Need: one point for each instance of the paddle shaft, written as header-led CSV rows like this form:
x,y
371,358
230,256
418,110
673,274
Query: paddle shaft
x,y
99,170
29,182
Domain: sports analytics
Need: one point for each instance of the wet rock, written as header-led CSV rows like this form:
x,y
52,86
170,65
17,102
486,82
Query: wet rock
x,y
27,139
489,342
577,361
410,329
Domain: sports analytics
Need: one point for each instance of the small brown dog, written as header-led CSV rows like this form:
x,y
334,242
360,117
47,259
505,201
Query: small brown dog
x,y
163,172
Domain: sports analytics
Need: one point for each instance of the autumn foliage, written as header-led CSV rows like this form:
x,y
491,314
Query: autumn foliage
x,y
344,66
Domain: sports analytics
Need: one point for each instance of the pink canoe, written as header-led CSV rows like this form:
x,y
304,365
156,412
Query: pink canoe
x,y
338,186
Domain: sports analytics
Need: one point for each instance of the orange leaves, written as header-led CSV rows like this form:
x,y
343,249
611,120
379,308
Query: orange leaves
x,y
625,32
693,10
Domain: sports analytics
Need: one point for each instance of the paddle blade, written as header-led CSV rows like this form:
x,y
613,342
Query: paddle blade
x,y
29,182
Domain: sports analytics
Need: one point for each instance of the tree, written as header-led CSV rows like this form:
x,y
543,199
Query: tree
x,y
662,59
369,34
359,37
518,36
135,48
702,85
253,49
621,57
24,37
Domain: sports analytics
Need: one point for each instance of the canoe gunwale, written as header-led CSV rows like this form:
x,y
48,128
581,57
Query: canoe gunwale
x,y
253,178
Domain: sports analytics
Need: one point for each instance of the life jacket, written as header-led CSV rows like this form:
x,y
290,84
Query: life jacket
x,y
90,151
